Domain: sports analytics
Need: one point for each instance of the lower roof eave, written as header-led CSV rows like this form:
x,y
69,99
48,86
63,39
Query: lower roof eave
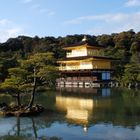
x,y
87,70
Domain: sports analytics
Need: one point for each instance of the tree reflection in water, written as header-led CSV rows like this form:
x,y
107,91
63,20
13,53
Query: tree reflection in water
x,y
18,132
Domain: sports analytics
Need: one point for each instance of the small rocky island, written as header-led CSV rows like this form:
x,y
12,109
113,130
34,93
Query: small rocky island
x,y
10,110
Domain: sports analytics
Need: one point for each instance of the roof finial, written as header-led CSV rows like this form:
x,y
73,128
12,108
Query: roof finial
x,y
85,38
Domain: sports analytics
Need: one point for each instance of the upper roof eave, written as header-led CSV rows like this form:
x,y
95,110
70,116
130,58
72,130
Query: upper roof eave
x,y
86,57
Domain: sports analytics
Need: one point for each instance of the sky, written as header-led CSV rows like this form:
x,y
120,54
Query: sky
x,y
67,17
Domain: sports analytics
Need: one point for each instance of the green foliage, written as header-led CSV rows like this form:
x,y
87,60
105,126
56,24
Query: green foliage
x,y
14,83
42,65
135,47
124,46
37,70
5,64
123,40
135,58
105,40
131,73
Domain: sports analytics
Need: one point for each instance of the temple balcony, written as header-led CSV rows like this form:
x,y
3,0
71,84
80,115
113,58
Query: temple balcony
x,y
75,54
63,68
79,67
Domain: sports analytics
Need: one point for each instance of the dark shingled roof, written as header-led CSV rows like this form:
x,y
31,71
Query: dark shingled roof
x,y
86,57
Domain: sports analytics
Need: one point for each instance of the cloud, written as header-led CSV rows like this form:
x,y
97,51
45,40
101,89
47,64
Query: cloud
x,y
3,22
39,9
130,3
105,17
117,23
42,11
48,12
27,1
9,29
107,23
51,13
35,6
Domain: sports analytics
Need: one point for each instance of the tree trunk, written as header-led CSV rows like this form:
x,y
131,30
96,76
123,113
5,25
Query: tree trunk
x,y
34,128
18,126
33,94
18,99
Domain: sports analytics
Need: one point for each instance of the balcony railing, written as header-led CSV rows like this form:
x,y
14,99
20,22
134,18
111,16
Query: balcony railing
x,y
69,68
69,54
66,68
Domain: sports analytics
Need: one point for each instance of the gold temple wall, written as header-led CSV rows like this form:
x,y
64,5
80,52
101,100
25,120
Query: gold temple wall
x,y
77,52
98,64
102,64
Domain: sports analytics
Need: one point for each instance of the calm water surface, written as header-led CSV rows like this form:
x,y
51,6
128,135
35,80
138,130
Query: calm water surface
x,y
78,114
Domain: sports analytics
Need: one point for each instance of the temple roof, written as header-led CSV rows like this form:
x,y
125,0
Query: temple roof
x,y
84,41
85,57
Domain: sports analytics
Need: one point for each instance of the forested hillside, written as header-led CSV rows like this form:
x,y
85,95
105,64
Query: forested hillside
x,y
124,46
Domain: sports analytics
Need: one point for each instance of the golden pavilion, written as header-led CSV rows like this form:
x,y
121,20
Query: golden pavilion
x,y
84,66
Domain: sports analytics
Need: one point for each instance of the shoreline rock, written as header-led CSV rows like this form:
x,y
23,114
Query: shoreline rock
x,y
21,110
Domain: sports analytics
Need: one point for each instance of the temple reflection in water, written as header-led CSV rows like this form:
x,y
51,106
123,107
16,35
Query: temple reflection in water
x,y
80,109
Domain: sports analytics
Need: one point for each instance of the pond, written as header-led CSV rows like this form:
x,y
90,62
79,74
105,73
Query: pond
x,y
78,114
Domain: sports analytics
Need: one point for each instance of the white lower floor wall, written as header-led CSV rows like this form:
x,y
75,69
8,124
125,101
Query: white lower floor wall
x,y
84,84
